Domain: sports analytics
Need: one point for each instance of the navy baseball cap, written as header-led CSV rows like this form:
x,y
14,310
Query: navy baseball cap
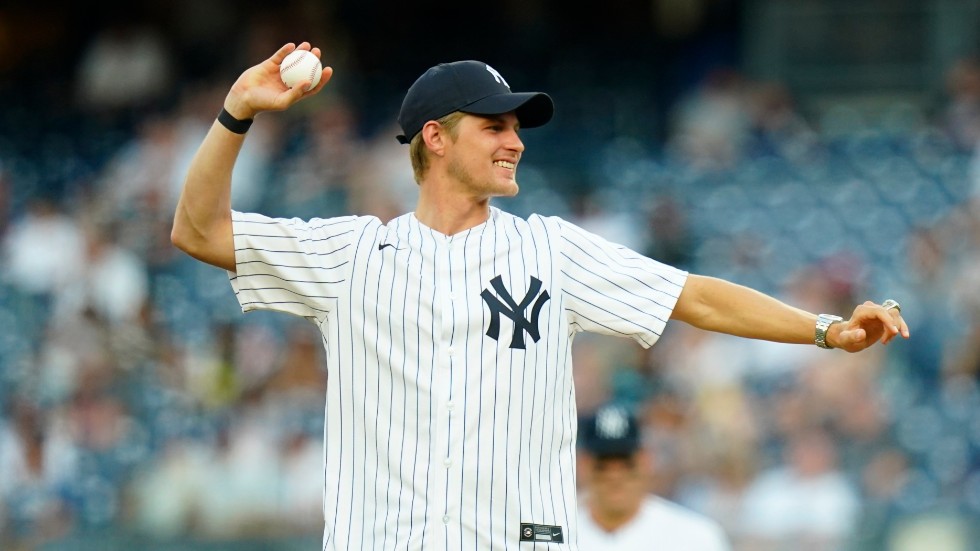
x,y
471,87
612,432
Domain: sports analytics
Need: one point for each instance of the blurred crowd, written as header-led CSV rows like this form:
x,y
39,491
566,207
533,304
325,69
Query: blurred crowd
x,y
135,397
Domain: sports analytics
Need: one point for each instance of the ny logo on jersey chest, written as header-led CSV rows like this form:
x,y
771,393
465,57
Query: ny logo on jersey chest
x,y
515,310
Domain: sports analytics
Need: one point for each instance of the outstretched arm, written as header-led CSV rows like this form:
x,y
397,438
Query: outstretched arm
x,y
718,305
202,223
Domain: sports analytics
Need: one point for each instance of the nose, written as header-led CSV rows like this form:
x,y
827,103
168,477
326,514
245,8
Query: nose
x,y
514,141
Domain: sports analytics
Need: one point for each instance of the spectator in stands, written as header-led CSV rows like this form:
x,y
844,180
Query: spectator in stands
x,y
927,276
38,463
43,249
964,353
113,283
669,237
961,118
40,255
711,125
806,502
126,66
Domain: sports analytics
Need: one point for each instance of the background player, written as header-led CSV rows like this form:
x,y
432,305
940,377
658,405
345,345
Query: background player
x,y
616,510
450,419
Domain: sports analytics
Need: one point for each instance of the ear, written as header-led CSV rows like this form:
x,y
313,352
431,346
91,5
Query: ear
x,y
435,137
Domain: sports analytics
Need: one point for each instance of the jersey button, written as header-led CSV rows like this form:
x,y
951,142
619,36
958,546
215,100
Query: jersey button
x,y
445,519
450,405
447,462
450,351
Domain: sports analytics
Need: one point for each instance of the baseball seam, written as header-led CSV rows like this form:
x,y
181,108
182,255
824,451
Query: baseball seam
x,y
312,74
296,62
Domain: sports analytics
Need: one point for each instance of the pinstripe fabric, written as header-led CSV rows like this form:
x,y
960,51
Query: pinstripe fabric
x,y
442,432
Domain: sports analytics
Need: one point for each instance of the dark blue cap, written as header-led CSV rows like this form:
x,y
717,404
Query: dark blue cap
x,y
612,432
471,87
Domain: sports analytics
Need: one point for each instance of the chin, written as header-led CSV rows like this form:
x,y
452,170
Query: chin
x,y
497,188
509,189
510,192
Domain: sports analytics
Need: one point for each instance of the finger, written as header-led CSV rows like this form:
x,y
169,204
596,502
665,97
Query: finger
x,y
296,92
889,323
903,328
316,52
304,46
852,336
282,53
324,77
896,320
290,96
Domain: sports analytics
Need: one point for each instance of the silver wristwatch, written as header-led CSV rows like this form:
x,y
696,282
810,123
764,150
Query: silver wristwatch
x,y
824,321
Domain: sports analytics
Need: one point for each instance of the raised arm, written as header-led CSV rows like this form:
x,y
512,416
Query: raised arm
x,y
718,305
202,223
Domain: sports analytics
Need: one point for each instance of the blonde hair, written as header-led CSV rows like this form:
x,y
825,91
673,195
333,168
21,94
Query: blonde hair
x,y
419,153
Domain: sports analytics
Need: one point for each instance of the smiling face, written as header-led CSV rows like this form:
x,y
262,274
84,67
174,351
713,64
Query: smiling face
x,y
482,160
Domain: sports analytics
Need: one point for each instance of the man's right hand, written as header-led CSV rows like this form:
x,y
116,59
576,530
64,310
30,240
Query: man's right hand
x,y
259,88
202,223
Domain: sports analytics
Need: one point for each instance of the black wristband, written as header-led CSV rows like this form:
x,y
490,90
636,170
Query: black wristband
x,y
238,126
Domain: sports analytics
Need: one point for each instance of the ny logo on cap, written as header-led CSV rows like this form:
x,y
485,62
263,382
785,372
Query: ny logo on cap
x,y
497,76
611,423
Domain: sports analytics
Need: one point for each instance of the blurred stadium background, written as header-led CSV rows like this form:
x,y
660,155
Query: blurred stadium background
x,y
140,410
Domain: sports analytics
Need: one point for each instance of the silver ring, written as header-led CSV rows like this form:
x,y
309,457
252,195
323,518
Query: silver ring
x,y
889,304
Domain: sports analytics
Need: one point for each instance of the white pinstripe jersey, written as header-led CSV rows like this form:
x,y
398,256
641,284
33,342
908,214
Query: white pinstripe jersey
x,y
450,408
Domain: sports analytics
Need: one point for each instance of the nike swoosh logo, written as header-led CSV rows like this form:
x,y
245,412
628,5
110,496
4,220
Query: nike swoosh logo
x,y
381,246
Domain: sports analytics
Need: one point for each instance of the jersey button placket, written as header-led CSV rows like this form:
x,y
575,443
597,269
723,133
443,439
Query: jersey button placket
x,y
446,373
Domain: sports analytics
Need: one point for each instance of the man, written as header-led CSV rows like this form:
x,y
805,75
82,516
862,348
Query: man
x,y
617,512
450,414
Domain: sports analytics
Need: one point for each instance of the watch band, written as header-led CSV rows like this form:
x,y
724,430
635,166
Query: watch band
x,y
824,321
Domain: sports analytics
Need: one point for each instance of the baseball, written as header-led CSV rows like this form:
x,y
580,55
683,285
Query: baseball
x,y
298,66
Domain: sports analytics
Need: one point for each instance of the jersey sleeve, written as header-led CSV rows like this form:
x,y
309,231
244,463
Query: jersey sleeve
x,y
290,265
613,290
